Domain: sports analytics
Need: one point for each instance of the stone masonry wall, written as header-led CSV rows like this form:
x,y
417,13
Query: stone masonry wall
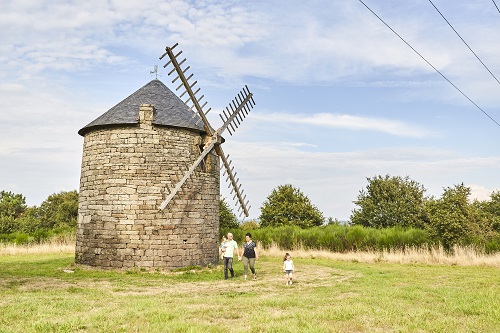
x,y
126,173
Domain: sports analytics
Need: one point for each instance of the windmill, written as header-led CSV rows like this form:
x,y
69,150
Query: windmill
x,y
231,117
132,156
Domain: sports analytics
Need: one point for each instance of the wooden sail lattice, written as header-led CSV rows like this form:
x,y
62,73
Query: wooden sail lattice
x,y
232,117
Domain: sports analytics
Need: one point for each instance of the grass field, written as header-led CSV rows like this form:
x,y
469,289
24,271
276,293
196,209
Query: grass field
x,y
37,295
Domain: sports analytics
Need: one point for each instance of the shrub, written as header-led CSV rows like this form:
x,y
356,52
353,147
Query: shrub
x,y
339,238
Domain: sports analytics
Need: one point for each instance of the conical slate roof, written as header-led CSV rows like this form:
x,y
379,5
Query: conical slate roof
x,y
169,110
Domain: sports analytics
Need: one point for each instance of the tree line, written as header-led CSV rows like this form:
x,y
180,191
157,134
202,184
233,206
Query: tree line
x,y
21,223
389,202
450,219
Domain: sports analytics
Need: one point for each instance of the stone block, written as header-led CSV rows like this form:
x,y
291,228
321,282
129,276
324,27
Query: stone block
x,y
116,263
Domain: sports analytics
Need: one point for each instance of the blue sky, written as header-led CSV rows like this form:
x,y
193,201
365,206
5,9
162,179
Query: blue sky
x,y
339,97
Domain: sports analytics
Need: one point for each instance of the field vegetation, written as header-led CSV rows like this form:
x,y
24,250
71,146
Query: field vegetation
x,y
404,262
41,290
392,213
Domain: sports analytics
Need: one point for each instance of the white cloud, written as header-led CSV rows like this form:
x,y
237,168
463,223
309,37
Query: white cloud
x,y
344,121
309,44
479,192
47,46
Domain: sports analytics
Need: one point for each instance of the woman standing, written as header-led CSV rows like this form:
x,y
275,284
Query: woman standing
x,y
249,255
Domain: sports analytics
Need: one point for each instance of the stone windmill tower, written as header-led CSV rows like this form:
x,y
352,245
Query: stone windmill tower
x,y
149,186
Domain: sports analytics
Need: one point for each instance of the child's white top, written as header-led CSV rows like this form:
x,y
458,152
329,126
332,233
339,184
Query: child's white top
x,y
288,265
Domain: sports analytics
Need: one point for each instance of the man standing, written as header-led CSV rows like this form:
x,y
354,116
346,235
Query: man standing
x,y
231,245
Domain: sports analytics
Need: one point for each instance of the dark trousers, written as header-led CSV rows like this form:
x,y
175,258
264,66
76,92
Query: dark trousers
x,y
228,265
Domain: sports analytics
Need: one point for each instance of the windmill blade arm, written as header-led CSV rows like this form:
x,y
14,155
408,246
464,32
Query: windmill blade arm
x,y
185,82
233,181
177,187
235,113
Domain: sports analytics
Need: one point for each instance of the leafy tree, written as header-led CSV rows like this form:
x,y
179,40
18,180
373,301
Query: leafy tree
x,y
7,225
227,219
449,216
390,202
287,205
11,204
484,219
494,203
29,222
11,207
492,207
482,224
59,210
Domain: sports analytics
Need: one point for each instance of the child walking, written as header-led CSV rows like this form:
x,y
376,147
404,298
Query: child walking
x,y
288,267
223,245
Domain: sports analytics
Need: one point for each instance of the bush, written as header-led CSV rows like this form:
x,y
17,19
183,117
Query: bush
x,y
38,236
16,238
492,245
338,238
41,235
250,225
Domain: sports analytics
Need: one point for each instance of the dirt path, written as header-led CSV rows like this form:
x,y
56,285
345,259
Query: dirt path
x,y
270,278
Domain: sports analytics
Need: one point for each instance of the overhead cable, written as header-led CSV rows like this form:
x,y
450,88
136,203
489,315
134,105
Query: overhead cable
x,y
496,5
423,58
474,53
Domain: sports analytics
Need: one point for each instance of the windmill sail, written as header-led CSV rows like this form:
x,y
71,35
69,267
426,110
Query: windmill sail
x,y
187,86
234,114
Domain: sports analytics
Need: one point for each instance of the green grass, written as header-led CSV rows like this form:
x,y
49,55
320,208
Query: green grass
x,y
36,295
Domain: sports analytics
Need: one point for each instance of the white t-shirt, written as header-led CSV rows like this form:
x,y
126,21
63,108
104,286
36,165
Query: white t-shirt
x,y
289,265
230,247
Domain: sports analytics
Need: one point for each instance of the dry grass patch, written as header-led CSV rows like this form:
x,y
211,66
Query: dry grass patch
x,y
64,245
460,256
270,280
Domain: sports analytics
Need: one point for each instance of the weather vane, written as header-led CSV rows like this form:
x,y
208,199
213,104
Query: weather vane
x,y
155,72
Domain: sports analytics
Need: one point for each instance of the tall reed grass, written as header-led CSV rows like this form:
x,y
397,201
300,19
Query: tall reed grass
x,y
344,238
339,238
58,244
459,255
337,242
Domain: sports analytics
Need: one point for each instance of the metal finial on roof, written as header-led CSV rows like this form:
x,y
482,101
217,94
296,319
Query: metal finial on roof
x,y
155,72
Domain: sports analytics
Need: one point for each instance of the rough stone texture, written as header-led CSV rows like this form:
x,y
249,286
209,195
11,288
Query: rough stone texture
x,y
126,174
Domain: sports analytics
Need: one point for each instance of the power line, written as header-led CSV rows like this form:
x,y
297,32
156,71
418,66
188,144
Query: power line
x,y
496,5
474,53
421,56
